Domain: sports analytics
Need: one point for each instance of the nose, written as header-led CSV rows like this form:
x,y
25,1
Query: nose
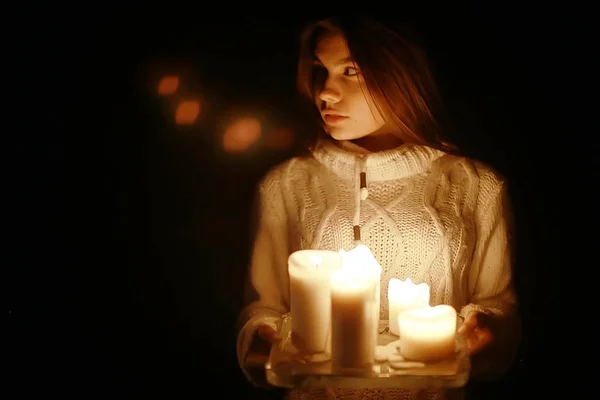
x,y
329,93
329,96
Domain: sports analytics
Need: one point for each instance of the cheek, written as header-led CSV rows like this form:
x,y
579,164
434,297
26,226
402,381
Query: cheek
x,y
364,105
373,111
377,117
369,115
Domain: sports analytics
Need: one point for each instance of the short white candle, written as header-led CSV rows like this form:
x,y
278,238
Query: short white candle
x,y
427,334
405,295
355,310
310,304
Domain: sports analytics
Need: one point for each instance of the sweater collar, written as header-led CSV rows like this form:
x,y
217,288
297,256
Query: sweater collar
x,y
404,161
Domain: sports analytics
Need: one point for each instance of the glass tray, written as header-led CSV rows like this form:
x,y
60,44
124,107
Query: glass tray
x,y
286,369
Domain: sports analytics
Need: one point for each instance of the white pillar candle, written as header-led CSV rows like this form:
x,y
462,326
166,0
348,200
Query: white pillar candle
x,y
355,310
361,258
405,295
427,334
310,304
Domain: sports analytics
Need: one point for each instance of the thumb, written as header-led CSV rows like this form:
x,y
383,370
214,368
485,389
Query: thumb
x,y
469,324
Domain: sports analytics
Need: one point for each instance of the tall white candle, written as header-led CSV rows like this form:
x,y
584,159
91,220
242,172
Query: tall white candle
x,y
310,304
428,334
361,258
405,295
355,310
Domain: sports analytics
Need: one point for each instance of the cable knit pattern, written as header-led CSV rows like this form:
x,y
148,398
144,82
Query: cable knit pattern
x,y
428,216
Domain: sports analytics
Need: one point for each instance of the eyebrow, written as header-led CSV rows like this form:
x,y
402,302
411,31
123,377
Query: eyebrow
x,y
346,60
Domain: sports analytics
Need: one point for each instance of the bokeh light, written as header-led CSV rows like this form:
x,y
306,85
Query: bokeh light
x,y
187,112
168,85
241,134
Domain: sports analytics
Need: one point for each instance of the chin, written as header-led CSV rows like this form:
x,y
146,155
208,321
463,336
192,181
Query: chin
x,y
342,134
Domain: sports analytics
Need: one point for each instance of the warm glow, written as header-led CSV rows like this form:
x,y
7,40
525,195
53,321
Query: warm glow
x,y
242,134
347,280
279,139
403,296
312,263
407,293
316,260
429,321
428,333
360,259
187,112
168,85
359,268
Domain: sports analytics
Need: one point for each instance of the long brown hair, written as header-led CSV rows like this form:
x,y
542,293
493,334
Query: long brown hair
x,y
397,75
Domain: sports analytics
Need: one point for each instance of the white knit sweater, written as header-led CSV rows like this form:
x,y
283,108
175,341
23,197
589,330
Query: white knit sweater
x,y
428,216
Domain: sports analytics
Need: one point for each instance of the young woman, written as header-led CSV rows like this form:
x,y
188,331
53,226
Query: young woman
x,y
383,172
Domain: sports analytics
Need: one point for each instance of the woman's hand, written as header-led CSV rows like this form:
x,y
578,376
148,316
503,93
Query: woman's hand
x,y
258,354
477,328
492,342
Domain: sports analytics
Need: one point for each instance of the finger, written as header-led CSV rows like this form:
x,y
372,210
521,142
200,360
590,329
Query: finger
x,y
479,339
256,360
468,324
255,366
267,333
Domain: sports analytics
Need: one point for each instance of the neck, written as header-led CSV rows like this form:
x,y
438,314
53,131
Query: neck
x,y
376,143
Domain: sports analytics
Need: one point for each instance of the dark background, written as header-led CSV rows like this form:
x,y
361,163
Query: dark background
x,y
131,233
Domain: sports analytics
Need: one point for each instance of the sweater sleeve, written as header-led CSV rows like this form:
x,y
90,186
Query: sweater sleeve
x,y
491,289
490,276
268,283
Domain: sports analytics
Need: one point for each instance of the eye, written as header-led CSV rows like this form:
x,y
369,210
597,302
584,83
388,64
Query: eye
x,y
351,71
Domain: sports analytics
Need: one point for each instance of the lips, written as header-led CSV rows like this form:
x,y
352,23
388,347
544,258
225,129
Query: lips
x,y
333,119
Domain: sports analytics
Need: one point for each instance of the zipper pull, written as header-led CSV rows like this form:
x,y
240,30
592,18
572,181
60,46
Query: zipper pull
x,y
364,192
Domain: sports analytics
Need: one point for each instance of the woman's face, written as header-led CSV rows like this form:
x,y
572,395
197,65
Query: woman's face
x,y
341,95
